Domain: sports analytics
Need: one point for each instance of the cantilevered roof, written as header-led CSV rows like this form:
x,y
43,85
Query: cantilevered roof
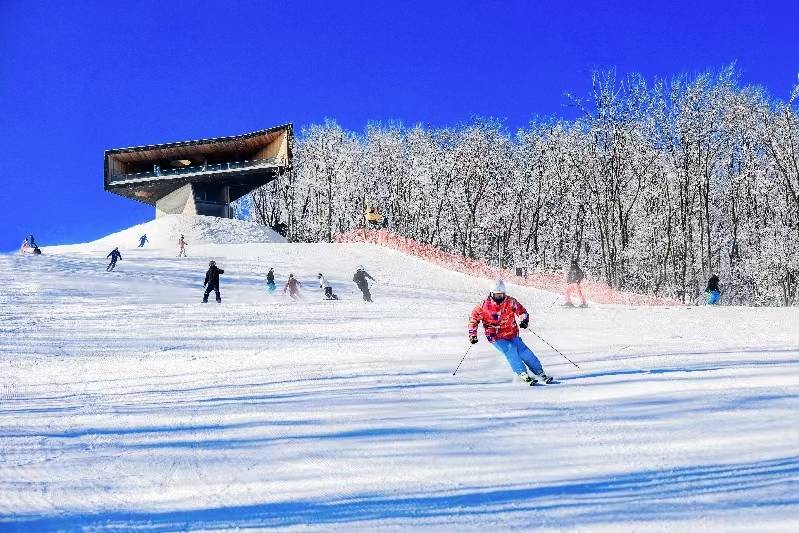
x,y
232,143
150,172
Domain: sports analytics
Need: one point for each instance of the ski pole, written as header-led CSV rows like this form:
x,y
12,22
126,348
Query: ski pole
x,y
543,339
469,349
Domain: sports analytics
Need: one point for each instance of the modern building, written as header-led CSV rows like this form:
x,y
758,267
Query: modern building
x,y
199,177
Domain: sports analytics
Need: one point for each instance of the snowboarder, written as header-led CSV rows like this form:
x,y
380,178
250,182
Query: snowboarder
x,y
498,314
292,285
327,287
114,255
712,291
211,282
142,240
573,284
360,280
182,246
270,281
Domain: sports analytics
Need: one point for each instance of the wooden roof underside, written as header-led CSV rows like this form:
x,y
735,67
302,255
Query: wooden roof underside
x,y
240,144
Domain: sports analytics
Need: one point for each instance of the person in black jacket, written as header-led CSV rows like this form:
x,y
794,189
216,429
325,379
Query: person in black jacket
x,y
270,281
114,255
573,284
212,282
712,291
360,280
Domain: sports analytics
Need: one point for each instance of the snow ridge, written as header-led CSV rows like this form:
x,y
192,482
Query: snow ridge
x,y
163,233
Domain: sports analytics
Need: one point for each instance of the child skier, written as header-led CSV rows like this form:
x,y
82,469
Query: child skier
x,y
270,281
498,314
211,282
114,255
327,287
142,240
292,285
360,280
573,284
712,291
182,246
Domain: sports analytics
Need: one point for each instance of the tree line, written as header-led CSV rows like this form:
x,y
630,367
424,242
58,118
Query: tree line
x,y
653,187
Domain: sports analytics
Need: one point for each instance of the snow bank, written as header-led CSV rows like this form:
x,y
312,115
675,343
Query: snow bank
x,y
163,233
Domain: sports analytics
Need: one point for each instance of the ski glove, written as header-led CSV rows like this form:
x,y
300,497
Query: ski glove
x,y
473,339
524,322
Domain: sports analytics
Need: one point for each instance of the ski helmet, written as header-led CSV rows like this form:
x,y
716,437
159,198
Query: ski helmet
x,y
211,263
499,286
320,275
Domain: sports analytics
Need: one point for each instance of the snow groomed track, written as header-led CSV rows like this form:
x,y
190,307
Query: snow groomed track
x,y
127,404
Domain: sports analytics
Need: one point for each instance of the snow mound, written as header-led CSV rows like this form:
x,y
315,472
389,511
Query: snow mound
x,y
163,233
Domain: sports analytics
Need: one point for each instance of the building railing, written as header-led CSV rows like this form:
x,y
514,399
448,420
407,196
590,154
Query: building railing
x,y
158,172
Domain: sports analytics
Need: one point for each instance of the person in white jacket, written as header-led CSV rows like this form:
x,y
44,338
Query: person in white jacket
x,y
323,283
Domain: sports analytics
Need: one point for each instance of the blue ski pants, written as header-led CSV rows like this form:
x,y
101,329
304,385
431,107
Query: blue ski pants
x,y
518,355
713,297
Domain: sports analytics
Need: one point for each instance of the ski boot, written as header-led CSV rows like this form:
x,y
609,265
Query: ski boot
x,y
527,379
543,378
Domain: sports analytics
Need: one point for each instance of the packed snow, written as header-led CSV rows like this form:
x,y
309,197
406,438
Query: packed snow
x,y
126,403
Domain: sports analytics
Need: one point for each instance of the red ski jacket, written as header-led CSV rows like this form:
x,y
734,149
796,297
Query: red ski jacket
x,y
499,319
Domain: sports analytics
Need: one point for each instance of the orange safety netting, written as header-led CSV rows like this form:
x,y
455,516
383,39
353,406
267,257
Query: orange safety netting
x,y
594,291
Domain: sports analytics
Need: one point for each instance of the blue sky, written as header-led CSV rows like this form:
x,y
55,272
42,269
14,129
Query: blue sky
x,y
78,78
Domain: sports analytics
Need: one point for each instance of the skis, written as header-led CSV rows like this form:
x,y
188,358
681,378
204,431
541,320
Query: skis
x,y
533,379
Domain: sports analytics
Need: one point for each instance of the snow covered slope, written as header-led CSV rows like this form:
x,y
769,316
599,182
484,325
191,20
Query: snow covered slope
x,y
127,404
163,233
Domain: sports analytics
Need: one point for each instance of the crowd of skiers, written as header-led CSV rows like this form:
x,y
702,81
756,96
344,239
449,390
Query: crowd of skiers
x,y
292,286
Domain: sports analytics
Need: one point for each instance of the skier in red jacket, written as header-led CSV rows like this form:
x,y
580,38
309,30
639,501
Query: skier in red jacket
x,y
498,314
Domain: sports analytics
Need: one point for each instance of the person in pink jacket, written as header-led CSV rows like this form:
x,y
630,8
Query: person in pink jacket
x,y
293,286
182,246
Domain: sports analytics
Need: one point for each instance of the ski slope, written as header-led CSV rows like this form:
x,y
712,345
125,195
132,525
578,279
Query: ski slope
x,y
127,404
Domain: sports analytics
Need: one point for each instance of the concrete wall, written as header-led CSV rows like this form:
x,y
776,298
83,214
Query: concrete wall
x,y
179,202
184,202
